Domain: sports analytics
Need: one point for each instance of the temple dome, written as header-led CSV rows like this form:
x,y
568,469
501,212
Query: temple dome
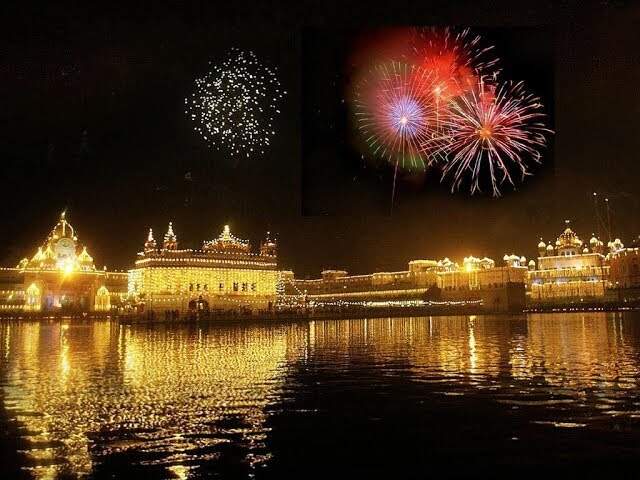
x,y
63,229
226,242
84,256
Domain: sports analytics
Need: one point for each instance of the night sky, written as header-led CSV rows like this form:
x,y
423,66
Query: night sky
x,y
93,121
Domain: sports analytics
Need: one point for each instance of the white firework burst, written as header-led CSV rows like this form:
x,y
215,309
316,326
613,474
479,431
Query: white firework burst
x,y
235,104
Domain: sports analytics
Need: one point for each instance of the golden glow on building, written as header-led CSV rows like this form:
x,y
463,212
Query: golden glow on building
x,y
60,276
570,270
224,274
478,281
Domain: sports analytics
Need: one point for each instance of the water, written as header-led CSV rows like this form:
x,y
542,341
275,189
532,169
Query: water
x,y
343,398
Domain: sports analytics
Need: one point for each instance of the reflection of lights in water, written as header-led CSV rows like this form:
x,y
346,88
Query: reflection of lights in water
x,y
170,386
181,472
65,365
472,346
177,392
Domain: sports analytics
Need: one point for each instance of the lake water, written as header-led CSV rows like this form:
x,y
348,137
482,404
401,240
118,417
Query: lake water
x,y
548,393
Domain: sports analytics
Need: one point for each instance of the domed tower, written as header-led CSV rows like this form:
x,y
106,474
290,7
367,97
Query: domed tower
x,y
59,249
615,246
150,244
170,239
532,265
85,260
542,248
568,243
268,246
226,243
597,246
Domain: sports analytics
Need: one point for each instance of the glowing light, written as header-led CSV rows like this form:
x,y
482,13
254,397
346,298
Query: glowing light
x,y
235,104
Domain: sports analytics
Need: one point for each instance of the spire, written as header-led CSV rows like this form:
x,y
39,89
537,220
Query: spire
x,y
150,244
268,246
170,239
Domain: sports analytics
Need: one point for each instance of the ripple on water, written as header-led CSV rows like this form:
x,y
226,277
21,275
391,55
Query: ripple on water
x,y
186,400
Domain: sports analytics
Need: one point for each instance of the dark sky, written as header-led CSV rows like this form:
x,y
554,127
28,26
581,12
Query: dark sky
x,y
92,120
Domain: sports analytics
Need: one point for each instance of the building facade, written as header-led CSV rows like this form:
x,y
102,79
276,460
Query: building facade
x,y
624,267
61,277
478,280
569,270
223,275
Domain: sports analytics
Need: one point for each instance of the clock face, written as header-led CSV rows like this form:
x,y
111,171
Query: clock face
x,y
65,248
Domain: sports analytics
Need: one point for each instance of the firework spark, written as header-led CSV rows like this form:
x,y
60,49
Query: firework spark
x,y
456,59
235,104
396,113
493,133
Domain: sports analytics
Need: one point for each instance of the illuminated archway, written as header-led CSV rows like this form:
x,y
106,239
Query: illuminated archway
x,y
34,298
103,300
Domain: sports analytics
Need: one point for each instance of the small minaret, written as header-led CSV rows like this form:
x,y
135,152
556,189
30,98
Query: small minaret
x,y
542,248
268,246
170,239
150,244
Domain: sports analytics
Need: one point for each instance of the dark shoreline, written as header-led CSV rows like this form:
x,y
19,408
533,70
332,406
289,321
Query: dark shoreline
x,y
345,314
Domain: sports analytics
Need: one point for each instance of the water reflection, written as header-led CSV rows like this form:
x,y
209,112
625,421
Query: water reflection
x,y
84,391
99,397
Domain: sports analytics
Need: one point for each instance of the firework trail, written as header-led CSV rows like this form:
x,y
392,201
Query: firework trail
x,y
234,105
493,132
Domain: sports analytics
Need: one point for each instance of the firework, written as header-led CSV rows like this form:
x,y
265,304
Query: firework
x,y
456,59
235,104
396,114
493,134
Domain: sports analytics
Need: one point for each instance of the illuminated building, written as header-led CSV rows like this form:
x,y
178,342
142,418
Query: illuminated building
x,y
625,268
570,270
624,273
61,276
479,280
225,274
498,287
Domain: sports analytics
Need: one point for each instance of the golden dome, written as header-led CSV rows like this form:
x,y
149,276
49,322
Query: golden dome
x,y
226,242
84,256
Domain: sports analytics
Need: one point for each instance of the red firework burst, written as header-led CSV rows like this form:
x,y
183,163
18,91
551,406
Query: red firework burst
x,y
456,59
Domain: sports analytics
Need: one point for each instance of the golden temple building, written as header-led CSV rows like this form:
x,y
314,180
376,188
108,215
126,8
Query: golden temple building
x,y
571,270
480,281
225,274
60,277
